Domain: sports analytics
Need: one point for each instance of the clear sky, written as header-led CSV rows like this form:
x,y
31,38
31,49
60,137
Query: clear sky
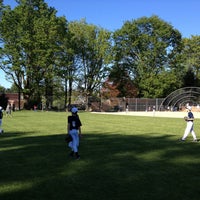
x,y
183,15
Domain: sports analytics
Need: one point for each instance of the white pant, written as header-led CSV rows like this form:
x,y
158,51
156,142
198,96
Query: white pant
x,y
75,140
189,129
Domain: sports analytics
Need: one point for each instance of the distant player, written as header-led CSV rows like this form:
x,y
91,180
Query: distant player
x,y
190,126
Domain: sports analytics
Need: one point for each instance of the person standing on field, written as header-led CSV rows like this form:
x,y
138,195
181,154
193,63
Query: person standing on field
x,y
9,110
1,117
74,129
190,125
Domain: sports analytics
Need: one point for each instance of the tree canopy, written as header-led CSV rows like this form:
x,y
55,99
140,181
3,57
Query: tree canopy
x,y
145,48
49,58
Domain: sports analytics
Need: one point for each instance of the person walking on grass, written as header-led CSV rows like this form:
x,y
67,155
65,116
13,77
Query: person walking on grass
x,y
74,129
1,117
9,110
190,125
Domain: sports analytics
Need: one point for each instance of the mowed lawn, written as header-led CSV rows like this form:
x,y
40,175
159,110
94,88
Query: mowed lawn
x,y
122,158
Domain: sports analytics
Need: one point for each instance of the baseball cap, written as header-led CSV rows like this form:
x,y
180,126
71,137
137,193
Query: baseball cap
x,y
74,110
0,108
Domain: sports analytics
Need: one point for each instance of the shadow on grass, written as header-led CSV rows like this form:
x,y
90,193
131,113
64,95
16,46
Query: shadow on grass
x,y
112,166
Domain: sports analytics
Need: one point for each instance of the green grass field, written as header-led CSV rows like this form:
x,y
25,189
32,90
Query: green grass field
x,y
122,158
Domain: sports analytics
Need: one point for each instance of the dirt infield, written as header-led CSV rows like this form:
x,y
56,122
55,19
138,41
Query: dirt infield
x,y
153,114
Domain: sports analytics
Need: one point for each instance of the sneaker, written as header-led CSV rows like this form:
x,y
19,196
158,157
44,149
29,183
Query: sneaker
x,y
181,140
78,157
71,154
195,140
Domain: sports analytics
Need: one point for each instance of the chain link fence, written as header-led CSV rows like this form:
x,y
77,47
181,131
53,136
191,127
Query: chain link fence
x,y
124,104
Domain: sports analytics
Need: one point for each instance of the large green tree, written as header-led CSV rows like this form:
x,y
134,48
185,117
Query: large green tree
x,y
31,35
92,48
191,61
148,49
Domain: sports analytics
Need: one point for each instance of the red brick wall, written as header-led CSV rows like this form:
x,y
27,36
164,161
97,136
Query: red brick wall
x,y
13,99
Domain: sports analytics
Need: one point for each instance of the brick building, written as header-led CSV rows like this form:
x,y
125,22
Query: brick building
x,y
13,99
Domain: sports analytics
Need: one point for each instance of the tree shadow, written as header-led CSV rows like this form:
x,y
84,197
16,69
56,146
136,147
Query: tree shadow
x,y
112,166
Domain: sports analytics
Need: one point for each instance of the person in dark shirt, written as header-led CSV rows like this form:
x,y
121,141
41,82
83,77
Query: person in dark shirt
x,y
74,129
1,117
190,126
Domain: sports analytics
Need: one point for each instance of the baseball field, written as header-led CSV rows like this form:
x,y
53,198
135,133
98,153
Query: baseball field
x,y
123,157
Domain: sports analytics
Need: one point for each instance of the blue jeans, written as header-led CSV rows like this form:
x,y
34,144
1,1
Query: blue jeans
x,y
75,140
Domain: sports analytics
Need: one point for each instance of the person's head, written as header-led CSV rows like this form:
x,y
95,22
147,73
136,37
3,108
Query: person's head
x,y
189,108
74,110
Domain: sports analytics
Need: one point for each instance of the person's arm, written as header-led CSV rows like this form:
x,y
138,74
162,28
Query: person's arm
x,y
68,125
68,128
79,131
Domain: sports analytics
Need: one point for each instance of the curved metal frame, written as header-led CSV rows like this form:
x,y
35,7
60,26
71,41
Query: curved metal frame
x,y
189,95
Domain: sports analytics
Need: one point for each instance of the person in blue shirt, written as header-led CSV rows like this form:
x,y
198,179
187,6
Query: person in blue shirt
x,y
190,125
